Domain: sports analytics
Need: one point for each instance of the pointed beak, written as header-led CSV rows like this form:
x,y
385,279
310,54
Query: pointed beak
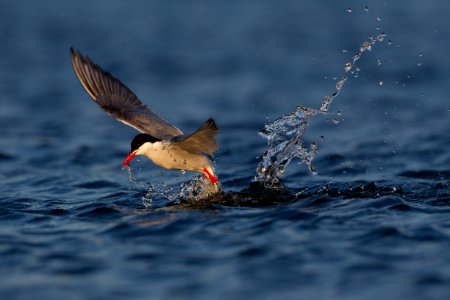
x,y
129,158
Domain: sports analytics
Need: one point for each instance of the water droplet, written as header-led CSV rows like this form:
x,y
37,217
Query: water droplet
x,y
339,113
389,42
365,46
379,62
366,9
340,84
323,137
336,121
381,82
381,37
344,51
349,10
420,54
326,101
348,66
378,19
419,64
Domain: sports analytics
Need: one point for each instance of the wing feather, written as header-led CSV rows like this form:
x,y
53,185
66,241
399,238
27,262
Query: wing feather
x,y
202,140
118,100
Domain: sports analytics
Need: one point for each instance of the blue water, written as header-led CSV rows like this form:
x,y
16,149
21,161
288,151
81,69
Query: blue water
x,y
374,223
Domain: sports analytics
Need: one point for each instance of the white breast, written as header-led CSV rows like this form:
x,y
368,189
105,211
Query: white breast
x,y
162,154
169,156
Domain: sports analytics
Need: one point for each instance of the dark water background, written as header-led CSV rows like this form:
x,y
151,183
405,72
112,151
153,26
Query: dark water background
x,y
375,222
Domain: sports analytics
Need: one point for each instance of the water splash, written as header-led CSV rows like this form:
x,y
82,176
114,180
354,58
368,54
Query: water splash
x,y
154,191
285,135
196,189
285,141
133,182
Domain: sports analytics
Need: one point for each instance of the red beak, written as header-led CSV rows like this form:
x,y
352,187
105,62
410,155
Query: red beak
x,y
129,158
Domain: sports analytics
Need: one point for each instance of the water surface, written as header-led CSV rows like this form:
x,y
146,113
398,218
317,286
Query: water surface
x,y
374,222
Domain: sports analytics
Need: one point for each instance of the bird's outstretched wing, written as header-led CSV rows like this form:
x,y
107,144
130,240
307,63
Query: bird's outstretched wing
x,y
119,101
202,140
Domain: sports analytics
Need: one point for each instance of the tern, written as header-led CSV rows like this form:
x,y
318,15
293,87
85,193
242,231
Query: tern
x,y
158,140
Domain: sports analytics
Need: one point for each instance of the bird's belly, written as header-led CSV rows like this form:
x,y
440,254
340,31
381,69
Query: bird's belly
x,y
179,159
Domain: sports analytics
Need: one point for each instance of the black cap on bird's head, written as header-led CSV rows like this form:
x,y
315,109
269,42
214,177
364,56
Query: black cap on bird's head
x,y
137,142
142,138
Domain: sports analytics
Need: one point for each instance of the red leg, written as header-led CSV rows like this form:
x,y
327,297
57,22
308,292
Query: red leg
x,y
211,177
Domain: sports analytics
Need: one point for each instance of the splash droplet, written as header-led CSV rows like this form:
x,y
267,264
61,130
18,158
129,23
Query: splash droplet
x,y
365,46
340,84
349,10
366,9
348,66
326,101
381,37
381,82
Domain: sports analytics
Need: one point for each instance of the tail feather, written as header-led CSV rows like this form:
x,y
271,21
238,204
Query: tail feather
x,y
202,140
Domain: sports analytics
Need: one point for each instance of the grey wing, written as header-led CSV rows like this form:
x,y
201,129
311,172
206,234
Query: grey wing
x,y
119,101
202,140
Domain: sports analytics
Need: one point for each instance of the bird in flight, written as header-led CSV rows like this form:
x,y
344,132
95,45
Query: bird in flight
x,y
158,140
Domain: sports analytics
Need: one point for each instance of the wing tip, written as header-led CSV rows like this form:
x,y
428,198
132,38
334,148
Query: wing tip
x,y
211,124
75,53
82,59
